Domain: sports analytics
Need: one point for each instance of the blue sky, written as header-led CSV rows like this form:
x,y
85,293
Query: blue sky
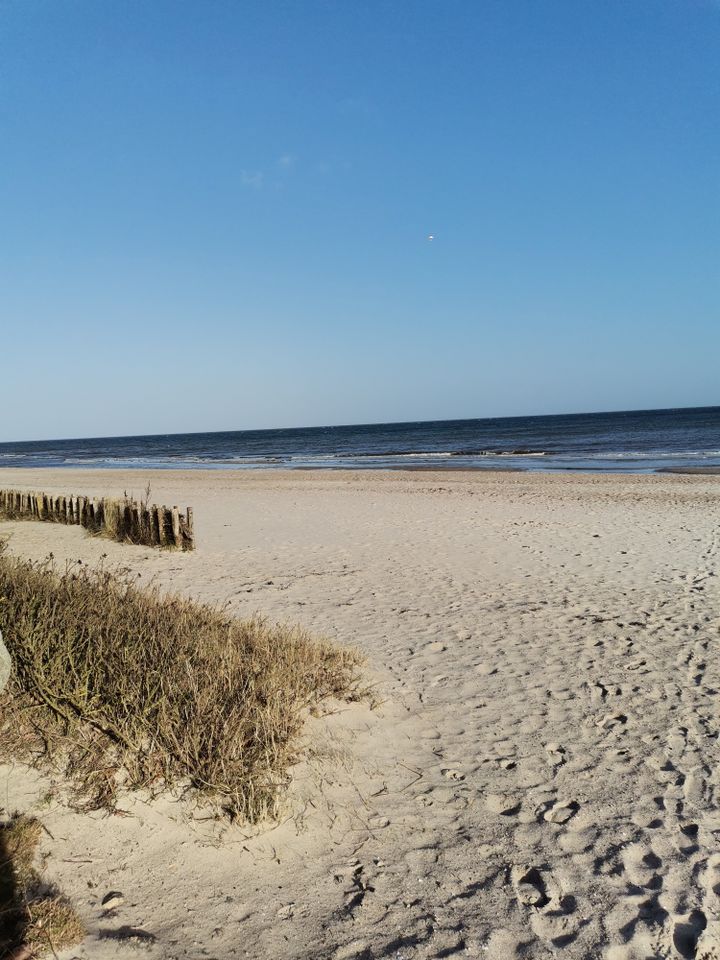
x,y
214,215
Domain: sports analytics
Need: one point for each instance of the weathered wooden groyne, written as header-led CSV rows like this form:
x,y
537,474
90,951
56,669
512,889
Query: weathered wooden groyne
x,y
125,519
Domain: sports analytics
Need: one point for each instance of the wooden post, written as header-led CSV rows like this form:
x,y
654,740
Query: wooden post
x,y
119,519
154,525
177,540
189,525
162,526
145,534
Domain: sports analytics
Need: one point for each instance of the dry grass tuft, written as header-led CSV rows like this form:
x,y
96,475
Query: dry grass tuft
x,y
21,836
122,686
34,918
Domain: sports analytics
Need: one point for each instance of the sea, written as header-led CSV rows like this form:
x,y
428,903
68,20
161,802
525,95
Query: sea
x,y
636,441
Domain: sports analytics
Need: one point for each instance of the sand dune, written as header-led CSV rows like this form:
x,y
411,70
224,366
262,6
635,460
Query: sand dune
x,y
541,778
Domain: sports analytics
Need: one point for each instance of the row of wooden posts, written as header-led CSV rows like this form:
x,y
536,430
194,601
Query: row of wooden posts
x,y
124,520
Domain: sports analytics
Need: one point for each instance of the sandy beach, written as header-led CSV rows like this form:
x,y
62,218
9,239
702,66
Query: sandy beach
x,y
538,774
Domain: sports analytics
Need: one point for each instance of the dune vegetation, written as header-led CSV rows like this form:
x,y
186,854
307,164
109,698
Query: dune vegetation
x,y
35,919
119,686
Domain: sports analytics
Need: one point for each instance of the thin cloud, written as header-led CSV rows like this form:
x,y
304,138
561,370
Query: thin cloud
x,y
252,178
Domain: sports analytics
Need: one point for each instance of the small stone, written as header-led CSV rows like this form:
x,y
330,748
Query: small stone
x,y
112,900
562,812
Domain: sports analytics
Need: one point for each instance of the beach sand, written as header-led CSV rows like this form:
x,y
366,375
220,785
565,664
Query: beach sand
x,y
541,777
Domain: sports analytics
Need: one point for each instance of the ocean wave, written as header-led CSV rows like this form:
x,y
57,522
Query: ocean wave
x,y
426,454
117,461
500,453
640,455
171,461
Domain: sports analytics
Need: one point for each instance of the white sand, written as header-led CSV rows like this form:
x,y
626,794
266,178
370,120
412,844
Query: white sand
x,y
542,777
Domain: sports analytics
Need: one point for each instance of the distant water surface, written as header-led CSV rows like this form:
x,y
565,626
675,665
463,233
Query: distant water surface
x,y
634,441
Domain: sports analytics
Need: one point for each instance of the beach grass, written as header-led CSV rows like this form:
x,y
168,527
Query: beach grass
x,y
120,686
35,919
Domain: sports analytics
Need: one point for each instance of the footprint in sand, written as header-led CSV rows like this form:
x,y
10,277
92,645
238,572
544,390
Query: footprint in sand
x,y
452,774
695,786
555,753
708,943
529,886
641,865
686,840
612,721
561,811
553,913
502,803
687,934
648,813
712,880
556,923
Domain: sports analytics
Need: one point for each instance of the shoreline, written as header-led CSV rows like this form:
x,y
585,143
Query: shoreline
x,y
400,468
699,471
226,479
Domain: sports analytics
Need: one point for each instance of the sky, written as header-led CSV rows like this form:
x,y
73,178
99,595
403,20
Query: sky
x,y
215,214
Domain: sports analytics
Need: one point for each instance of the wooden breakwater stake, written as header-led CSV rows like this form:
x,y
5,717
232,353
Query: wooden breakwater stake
x,y
128,520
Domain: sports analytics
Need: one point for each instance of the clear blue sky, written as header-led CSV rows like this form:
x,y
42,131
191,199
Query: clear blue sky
x,y
214,214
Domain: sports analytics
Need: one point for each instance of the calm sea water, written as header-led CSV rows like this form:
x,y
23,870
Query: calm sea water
x,y
637,441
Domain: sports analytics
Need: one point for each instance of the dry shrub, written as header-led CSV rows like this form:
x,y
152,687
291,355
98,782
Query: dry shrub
x,y
128,686
34,918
